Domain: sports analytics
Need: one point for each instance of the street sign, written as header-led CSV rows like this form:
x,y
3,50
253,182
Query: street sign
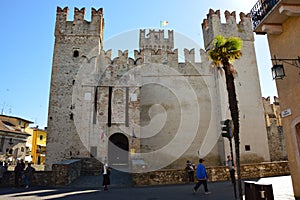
x,y
286,112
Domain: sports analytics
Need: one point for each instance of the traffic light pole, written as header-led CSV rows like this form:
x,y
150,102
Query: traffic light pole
x,y
227,131
231,152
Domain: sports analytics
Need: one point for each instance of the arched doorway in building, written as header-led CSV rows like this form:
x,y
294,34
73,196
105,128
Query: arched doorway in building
x,y
118,148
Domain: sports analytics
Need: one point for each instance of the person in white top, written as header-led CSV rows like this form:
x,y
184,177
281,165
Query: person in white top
x,y
106,173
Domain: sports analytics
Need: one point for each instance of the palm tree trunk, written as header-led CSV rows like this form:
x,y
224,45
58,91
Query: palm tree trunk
x,y
234,110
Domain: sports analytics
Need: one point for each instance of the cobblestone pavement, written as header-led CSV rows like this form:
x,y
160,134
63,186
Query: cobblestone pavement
x,y
90,188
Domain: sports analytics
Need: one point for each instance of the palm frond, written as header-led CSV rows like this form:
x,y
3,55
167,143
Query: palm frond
x,y
225,50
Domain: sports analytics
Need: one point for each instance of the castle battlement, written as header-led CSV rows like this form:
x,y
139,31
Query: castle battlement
x,y
128,70
79,26
156,39
122,63
212,26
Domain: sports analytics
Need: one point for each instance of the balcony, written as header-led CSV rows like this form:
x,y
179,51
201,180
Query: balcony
x,y
268,15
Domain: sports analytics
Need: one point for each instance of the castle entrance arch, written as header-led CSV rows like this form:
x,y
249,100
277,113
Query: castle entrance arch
x,y
118,150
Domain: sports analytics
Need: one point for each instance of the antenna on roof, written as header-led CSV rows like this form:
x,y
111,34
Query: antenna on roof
x,y
2,109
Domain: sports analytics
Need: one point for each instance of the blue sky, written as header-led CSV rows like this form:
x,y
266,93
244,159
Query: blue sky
x,y
27,41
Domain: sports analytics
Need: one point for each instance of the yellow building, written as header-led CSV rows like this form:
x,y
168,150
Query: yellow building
x,y
280,20
36,145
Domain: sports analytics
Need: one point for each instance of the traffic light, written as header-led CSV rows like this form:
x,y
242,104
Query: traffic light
x,y
227,128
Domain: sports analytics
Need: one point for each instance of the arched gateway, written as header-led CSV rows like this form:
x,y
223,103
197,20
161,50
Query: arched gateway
x,y
118,147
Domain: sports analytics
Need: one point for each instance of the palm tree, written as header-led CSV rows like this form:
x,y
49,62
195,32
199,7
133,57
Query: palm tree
x,y
223,53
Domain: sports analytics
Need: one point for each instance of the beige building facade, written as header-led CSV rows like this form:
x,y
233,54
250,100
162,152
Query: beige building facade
x,y
151,110
281,22
13,138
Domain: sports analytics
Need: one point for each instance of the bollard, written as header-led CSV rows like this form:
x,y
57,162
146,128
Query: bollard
x,y
264,191
250,190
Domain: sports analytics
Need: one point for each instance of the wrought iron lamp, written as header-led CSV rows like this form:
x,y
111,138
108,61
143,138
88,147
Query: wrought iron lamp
x,y
278,70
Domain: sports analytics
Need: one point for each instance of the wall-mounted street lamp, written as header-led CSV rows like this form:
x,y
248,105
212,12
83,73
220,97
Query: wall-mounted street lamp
x,y
278,70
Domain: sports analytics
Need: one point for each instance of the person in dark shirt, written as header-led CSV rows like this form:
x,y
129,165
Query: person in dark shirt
x,y
18,173
190,171
29,171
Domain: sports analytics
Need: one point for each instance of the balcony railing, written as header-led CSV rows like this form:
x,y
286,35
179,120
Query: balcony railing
x,y
260,10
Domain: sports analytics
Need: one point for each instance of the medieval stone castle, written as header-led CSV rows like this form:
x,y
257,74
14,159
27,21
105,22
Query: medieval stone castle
x,y
150,110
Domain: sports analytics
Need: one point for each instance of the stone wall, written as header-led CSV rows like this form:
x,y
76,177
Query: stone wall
x,y
66,171
165,177
40,178
62,173
90,166
265,169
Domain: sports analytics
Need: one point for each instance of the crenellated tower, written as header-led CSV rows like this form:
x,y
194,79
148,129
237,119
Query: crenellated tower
x,y
75,41
79,26
212,26
251,110
156,40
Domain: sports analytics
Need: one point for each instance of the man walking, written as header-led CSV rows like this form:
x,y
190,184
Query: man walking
x,y
201,176
230,166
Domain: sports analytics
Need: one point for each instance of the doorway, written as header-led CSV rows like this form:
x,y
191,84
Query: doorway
x,y
118,147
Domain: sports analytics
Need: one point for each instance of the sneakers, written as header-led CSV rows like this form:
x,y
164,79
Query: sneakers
x,y
194,191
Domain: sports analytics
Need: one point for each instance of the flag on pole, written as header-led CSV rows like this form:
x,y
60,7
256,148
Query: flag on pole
x,y
164,23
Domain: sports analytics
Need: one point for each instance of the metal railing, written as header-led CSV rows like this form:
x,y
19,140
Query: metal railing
x,y
260,10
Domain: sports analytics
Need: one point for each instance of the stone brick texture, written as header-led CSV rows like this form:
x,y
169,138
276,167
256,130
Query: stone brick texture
x,y
218,173
66,172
